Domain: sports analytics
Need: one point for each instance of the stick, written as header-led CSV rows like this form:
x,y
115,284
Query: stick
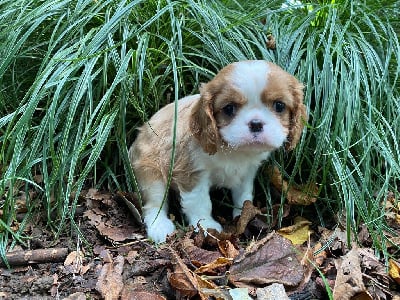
x,y
19,258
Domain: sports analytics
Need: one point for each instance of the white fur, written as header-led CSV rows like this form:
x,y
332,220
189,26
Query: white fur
x,y
251,78
155,213
237,134
233,170
196,204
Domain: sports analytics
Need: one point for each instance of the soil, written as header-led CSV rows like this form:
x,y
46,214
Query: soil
x,y
112,259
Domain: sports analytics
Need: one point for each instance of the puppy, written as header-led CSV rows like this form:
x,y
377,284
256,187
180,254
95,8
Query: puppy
x,y
248,110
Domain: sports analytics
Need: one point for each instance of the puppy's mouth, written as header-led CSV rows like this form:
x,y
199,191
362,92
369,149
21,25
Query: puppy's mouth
x,y
255,142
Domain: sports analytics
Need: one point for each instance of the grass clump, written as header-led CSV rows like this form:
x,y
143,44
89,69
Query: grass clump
x,y
77,78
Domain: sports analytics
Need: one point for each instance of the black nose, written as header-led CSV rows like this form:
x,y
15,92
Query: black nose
x,y
256,125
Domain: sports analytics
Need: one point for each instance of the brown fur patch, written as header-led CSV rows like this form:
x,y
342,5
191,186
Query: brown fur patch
x,y
150,155
286,88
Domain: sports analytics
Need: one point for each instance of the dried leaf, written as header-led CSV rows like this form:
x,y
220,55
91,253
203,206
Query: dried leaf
x,y
95,216
197,255
184,281
349,282
74,262
106,256
212,268
76,296
392,210
131,256
130,200
217,293
375,276
301,195
227,249
298,233
249,211
119,234
320,255
98,219
110,282
270,260
95,194
394,270
140,295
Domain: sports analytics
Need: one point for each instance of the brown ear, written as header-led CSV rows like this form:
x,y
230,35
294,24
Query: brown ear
x,y
298,117
203,124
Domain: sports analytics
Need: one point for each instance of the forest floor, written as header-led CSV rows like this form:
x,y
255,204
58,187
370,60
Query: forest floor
x,y
250,260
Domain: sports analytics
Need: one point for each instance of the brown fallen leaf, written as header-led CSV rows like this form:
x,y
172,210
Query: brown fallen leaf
x,y
392,210
336,239
249,211
319,254
106,256
298,233
117,234
375,275
95,194
140,295
110,283
270,260
185,282
76,296
213,267
133,203
135,290
394,270
218,293
227,249
74,262
349,280
197,255
301,195
94,216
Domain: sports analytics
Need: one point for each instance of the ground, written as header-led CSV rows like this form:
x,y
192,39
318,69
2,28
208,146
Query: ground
x,y
112,259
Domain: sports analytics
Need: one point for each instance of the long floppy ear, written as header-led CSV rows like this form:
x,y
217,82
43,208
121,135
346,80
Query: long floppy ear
x,y
298,116
203,124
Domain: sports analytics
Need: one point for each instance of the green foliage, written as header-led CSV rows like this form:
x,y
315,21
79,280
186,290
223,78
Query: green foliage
x,y
78,76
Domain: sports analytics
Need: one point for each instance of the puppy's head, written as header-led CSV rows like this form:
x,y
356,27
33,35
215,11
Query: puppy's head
x,y
249,106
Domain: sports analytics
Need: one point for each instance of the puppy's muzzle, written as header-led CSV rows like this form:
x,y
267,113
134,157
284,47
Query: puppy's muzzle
x,y
256,125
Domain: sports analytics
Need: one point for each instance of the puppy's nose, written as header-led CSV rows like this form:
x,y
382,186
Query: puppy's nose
x,y
256,125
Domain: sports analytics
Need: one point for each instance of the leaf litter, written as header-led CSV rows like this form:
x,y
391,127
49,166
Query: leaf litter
x,y
116,261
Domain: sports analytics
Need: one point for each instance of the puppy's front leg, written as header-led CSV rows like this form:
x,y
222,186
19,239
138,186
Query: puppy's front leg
x,y
243,192
155,212
197,206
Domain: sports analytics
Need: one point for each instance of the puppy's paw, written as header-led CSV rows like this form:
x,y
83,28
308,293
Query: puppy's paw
x,y
158,229
209,223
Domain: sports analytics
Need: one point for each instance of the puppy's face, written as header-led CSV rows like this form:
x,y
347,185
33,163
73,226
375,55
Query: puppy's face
x,y
249,105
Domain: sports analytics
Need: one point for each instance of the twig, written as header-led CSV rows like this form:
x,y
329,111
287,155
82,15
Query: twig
x,y
19,258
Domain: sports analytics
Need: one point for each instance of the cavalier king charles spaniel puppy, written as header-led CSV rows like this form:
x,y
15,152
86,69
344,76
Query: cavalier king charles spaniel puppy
x,y
250,109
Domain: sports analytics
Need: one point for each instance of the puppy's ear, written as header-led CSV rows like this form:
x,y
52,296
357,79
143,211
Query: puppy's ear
x,y
202,122
298,115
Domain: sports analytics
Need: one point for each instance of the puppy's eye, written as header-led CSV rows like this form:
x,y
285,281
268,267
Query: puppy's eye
x,y
230,109
279,106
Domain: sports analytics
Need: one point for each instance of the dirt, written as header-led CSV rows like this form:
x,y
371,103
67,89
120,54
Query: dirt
x,y
112,259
